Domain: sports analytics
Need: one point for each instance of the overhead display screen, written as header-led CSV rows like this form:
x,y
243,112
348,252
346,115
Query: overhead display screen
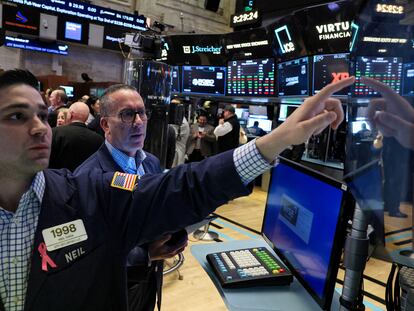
x,y
199,50
87,11
251,77
112,37
286,39
328,69
34,45
21,19
408,80
73,30
204,80
388,70
328,27
248,44
293,77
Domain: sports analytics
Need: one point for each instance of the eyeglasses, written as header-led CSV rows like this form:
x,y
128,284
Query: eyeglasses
x,y
129,115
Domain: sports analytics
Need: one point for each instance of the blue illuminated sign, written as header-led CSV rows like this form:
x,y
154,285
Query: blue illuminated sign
x,y
33,45
87,11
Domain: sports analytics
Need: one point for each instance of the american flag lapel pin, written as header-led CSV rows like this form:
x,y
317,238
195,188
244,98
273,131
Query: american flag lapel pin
x,y
124,181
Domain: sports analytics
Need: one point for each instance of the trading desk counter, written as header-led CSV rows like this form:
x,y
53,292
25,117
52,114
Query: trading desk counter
x,y
284,298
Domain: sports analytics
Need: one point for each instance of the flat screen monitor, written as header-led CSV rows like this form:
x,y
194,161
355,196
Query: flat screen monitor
x,y
204,80
69,90
264,123
307,231
242,113
251,77
408,80
73,31
360,126
293,77
285,111
385,69
258,110
330,68
114,37
21,19
175,75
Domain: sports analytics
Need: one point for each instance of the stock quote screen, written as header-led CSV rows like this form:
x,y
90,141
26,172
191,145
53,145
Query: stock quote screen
x,y
328,69
293,77
204,80
251,77
408,79
388,70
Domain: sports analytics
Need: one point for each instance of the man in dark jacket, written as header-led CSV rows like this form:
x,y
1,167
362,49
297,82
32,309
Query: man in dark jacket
x,y
74,143
124,121
228,130
64,238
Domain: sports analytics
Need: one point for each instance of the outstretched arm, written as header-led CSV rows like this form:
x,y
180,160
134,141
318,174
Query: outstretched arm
x,y
312,117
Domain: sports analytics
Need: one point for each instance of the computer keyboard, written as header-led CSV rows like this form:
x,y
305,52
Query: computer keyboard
x,y
249,267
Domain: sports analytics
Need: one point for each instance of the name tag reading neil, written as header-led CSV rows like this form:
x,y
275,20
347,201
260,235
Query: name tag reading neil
x,y
64,235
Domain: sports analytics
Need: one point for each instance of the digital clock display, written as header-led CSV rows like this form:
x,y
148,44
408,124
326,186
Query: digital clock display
x,y
389,9
244,18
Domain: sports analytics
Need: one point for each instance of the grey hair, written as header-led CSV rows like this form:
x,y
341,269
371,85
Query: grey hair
x,y
105,101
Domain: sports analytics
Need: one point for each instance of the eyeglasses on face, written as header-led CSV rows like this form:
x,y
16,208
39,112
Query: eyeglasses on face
x,y
129,115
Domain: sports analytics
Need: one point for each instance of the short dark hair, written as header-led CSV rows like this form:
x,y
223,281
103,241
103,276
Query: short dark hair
x,y
105,102
18,76
90,102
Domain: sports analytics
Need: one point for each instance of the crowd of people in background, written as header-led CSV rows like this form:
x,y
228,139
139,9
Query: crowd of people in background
x,y
192,140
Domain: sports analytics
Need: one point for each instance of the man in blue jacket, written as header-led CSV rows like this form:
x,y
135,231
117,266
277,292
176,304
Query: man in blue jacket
x,y
124,121
64,238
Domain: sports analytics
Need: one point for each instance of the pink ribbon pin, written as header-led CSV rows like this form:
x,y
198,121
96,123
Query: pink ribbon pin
x,y
45,258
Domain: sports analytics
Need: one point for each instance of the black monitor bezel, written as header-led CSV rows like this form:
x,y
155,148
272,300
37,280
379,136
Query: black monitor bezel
x,y
353,59
309,67
312,80
339,238
181,73
252,59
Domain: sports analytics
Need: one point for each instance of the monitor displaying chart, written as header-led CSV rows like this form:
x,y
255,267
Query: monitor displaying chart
x,y
251,77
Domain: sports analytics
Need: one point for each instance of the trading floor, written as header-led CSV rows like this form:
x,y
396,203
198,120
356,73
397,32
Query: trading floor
x,y
196,291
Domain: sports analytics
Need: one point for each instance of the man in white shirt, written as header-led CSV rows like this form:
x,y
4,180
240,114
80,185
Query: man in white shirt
x,y
228,130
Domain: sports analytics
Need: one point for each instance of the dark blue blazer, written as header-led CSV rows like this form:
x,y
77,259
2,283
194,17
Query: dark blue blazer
x,y
117,220
144,281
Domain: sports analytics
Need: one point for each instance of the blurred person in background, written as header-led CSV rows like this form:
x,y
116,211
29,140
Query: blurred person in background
x,y
62,117
94,108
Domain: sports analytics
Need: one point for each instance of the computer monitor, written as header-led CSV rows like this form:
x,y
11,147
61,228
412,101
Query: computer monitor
x,y
204,80
73,31
358,126
285,111
242,113
304,222
254,77
385,69
408,80
293,77
175,77
69,90
264,123
330,68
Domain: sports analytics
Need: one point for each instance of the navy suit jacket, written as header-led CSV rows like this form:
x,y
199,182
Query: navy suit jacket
x,y
144,282
90,275
103,160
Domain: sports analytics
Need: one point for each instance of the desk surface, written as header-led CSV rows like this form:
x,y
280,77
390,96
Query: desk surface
x,y
291,298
